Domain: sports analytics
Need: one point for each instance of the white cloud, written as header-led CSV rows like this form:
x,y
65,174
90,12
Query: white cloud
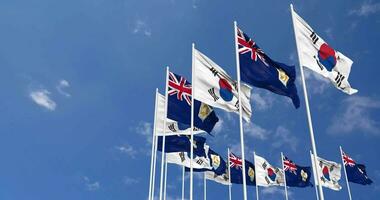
x,y
140,27
127,149
41,97
367,8
268,191
256,131
329,33
315,82
354,114
261,100
283,137
145,129
91,186
61,86
130,180
218,126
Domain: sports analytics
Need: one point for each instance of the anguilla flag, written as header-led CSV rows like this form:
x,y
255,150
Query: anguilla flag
x,y
236,167
179,105
295,175
315,54
356,173
172,127
259,70
182,143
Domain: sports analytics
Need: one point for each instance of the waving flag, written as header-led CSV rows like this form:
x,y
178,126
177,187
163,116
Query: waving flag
x,y
216,88
356,173
296,176
172,127
182,143
179,105
266,174
329,173
236,166
257,69
201,160
317,55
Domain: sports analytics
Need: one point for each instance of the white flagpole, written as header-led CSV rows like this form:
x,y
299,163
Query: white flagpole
x,y
192,122
240,114
153,147
345,173
314,175
163,137
183,182
204,186
166,176
307,106
154,166
229,175
257,187
283,169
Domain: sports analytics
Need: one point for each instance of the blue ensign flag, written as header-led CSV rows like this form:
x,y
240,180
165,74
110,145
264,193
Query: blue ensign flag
x,y
296,176
181,143
179,105
218,164
257,69
356,173
236,167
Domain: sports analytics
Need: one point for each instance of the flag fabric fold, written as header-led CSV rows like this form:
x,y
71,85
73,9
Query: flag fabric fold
x,y
296,176
182,143
172,127
236,167
179,105
329,173
259,70
317,55
266,174
356,173
216,88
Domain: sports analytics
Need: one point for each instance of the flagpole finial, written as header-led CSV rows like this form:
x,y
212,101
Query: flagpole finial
x,y
291,6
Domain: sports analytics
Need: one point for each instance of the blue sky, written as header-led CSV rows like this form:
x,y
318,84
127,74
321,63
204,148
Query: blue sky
x,y
78,80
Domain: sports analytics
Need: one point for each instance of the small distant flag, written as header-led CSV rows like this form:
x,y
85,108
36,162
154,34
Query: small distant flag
x,y
356,173
172,127
216,88
182,143
236,167
296,176
329,173
200,159
266,174
320,57
179,105
259,70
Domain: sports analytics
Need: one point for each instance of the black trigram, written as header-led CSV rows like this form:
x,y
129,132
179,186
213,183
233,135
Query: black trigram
x,y
182,156
211,91
237,105
214,71
314,37
339,79
200,162
172,128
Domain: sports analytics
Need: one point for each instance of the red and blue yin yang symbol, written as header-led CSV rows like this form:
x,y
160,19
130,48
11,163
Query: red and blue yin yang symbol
x,y
326,173
225,90
271,174
326,56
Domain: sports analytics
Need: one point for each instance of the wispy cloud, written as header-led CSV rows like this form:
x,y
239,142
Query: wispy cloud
x,y
256,131
130,181
355,114
127,149
41,97
317,83
141,27
61,86
283,137
270,191
261,100
91,186
218,127
145,129
366,8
